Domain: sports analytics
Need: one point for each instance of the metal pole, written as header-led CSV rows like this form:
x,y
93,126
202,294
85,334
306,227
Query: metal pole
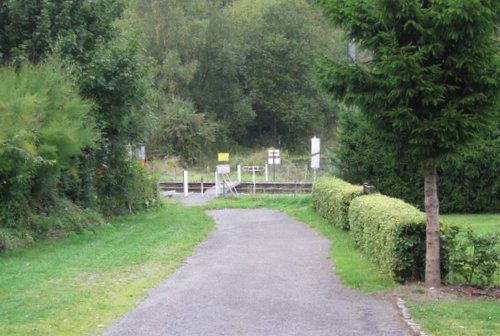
x,y
216,185
202,189
274,168
186,190
266,171
239,173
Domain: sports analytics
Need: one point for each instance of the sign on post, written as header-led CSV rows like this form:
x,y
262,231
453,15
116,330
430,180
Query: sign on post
x,y
315,144
273,157
223,169
223,157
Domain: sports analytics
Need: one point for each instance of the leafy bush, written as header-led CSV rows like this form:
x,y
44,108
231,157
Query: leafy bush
x,y
331,199
43,124
391,233
470,184
472,258
182,131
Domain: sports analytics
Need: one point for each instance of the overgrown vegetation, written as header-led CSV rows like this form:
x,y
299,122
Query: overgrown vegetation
x,y
80,284
232,73
44,124
65,130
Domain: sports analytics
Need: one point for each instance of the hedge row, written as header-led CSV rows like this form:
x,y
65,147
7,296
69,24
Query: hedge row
x,y
391,233
331,199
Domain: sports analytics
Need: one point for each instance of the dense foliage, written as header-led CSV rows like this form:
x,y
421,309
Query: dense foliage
x,y
332,198
241,70
51,158
468,184
44,123
473,258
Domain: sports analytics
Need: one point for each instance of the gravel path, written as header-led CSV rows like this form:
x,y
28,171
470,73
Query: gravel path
x,y
260,273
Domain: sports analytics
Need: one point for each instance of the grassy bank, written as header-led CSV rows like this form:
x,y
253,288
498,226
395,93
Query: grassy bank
x,y
81,284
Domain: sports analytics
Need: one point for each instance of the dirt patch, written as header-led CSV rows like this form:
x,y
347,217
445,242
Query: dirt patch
x,y
418,292
472,292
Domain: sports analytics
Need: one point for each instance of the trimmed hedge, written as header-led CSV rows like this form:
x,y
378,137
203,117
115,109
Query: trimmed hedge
x,y
391,233
332,197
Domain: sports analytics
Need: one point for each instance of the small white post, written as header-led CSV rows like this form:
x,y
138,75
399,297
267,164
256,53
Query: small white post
x,y
202,188
239,173
186,190
253,179
266,172
216,184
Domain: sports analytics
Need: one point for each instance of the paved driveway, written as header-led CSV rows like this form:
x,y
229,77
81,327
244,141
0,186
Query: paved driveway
x,y
260,273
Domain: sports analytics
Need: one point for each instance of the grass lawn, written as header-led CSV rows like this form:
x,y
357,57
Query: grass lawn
x,y
352,267
457,317
79,285
482,223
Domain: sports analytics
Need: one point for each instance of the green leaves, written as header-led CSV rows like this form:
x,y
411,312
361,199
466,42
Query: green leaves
x,y
44,125
332,198
431,80
391,233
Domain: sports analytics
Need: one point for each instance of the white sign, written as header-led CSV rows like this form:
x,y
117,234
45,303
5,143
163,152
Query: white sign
x,y
274,161
315,153
274,152
273,157
253,168
223,169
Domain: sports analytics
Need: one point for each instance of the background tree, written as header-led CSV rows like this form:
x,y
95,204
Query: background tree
x,y
246,67
430,85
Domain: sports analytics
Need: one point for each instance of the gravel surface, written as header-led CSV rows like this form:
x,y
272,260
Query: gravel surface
x,y
260,273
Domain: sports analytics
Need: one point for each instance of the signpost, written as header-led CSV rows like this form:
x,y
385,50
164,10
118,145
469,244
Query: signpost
x,y
223,157
315,156
274,159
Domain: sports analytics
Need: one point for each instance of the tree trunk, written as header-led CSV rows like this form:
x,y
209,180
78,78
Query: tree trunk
x,y
432,258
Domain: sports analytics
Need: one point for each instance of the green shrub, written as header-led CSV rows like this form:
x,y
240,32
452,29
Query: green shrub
x,y
391,233
44,123
332,197
472,258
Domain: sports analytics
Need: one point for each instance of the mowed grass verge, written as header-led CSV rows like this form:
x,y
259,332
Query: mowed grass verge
x,y
479,223
79,285
353,269
457,317
445,316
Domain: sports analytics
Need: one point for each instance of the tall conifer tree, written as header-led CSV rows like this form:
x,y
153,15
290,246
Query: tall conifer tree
x,y
428,81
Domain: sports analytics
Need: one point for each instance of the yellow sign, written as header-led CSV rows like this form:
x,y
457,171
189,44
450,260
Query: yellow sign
x,y
223,157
